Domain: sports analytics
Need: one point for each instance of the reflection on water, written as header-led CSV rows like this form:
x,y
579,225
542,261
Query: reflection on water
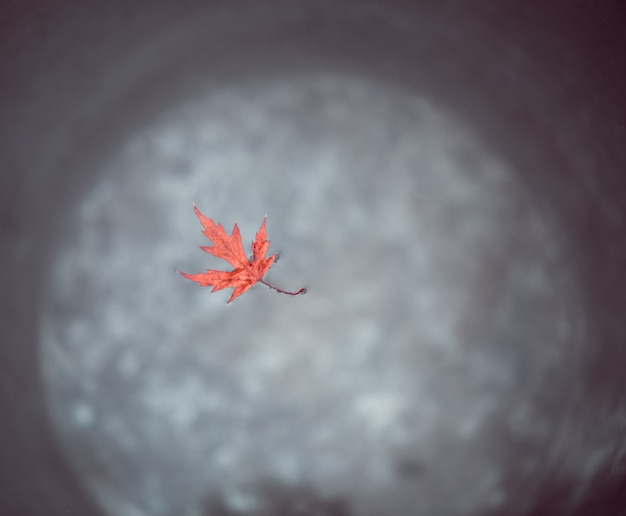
x,y
436,296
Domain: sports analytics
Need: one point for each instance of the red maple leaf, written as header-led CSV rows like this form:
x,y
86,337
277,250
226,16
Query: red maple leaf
x,y
246,271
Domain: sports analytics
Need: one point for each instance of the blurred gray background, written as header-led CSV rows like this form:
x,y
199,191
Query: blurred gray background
x,y
436,177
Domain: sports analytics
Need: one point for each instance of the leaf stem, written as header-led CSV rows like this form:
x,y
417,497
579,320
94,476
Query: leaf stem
x,y
301,291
